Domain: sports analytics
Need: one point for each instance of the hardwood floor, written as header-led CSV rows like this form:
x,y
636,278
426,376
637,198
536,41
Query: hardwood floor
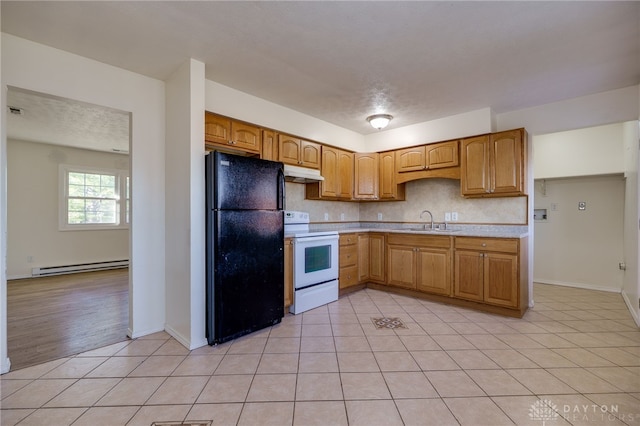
x,y
54,317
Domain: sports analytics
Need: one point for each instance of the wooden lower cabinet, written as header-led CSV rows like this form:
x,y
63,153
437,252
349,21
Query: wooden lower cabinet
x,y
348,260
488,270
377,250
363,257
420,262
288,273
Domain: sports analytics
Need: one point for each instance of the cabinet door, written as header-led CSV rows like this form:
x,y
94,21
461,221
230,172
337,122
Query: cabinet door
x,y
441,155
288,272
216,129
469,275
345,174
366,176
363,257
433,271
289,149
269,145
507,162
401,266
310,154
389,190
474,166
376,258
501,279
331,183
410,159
245,137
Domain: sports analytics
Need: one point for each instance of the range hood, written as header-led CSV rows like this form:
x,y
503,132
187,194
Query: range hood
x,y
301,174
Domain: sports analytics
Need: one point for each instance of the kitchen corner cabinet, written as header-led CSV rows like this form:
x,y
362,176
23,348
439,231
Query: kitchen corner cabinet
x,y
377,251
298,152
493,165
488,270
348,260
288,273
224,132
430,156
420,262
363,257
389,189
365,176
337,170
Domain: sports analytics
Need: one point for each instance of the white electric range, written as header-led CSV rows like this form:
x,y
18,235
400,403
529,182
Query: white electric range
x,y
315,263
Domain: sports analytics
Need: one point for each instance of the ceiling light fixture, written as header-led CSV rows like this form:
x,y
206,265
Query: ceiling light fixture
x,y
379,121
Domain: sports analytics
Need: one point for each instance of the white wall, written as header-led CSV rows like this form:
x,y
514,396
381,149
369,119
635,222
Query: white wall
x,y
631,285
242,106
583,152
43,69
456,126
32,210
614,106
580,248
185,207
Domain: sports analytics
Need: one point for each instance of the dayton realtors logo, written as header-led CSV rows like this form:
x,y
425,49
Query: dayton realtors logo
x,y
545,411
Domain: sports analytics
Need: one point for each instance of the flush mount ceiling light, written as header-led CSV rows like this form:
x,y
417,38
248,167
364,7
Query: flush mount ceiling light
x,y
379,121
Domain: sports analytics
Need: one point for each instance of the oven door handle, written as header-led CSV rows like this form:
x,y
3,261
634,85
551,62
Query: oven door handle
x,y
314,239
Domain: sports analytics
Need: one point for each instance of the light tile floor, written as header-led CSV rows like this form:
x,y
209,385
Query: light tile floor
x,y
573,359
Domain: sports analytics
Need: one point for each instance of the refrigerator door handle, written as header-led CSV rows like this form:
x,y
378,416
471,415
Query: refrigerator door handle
x,y
281,189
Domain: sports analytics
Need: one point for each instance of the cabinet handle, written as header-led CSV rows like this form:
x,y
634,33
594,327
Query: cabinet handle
x,y
484,244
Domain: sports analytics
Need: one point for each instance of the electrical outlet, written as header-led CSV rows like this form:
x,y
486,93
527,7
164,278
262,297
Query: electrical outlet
x,y
454,216
29,259
379,216
341,216
326,216
582,205
554,207
447,217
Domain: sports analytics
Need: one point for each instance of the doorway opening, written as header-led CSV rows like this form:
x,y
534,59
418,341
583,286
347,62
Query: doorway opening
x,y
68,210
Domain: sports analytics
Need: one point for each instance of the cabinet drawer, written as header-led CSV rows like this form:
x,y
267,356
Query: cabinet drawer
x,y
348,255
435,241
348,276
348,239
504,245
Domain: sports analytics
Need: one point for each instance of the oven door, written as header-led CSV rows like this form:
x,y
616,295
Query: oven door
x,y
315,260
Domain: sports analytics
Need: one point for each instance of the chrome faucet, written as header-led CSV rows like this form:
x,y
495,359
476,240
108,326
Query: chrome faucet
x,y
427,211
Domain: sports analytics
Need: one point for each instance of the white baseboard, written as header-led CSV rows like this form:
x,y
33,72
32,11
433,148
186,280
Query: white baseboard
x,y
631,305
5,365
187,343
577,285
18,277
143,332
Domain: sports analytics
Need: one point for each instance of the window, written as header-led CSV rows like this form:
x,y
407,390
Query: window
x,y
91,198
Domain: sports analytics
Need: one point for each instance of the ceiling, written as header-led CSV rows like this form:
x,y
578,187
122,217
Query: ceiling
x,y
343,61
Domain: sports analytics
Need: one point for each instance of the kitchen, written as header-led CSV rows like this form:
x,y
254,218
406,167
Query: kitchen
x,y
159,183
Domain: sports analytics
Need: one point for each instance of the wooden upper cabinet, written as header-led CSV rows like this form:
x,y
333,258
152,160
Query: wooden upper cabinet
x,y
269,145
217,129
410,159
444,154
493,165
337,171
389,189
365,176
223,131
431,156
298,152
506,152
345,174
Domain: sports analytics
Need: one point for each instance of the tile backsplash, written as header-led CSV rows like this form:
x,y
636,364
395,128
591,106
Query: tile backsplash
x,y
436,195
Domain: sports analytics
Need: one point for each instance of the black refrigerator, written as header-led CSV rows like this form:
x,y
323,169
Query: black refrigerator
x,y
244,245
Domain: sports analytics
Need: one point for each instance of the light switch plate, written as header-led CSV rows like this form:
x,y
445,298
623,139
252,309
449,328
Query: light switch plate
x,y
454,216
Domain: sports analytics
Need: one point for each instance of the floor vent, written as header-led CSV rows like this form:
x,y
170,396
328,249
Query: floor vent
x,y
80,267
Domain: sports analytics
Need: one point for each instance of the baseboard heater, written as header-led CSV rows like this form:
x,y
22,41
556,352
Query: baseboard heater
x,y
80,267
